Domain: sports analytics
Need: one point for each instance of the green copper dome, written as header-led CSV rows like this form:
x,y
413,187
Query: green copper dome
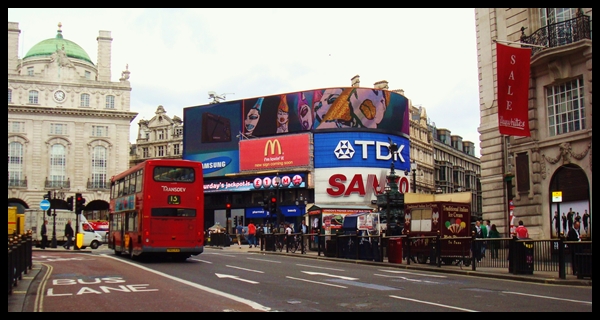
x,y
49,46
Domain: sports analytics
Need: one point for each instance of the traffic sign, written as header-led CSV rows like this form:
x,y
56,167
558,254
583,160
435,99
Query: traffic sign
x,y
45,204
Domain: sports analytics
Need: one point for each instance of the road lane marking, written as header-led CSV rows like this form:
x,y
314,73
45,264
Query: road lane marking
x,y
220,276
245,269
433,304
317,267
317,282
203,261
546,297
414,273
405,278
328,275
39,298
250,303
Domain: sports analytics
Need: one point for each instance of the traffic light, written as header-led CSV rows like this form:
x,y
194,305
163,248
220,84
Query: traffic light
x,y
48,196
79,202
273,205
70,203
228,205
266,206
235,221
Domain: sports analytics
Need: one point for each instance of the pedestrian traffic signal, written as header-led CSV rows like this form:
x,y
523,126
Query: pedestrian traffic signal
x,y
48,196
70,203
228,206
79,203
235,221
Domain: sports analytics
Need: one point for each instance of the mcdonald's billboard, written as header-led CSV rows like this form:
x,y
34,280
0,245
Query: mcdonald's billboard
x,y
275,152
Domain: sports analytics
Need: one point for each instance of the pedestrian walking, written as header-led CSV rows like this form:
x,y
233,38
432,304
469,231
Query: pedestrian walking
x,y
44,234
239,231
69,235
251,234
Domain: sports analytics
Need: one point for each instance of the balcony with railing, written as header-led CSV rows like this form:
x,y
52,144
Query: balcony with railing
x,y
98,185
559,34
57,184
17,183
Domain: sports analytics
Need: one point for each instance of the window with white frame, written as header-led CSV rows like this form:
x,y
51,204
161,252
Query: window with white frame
x,y
33,97
161,135
176,149
58,165
9,95
15,164
58,128
99,167
30,71
566,109
16,126
178,132
145,153
110,102
100,131
88,75
85,100
160,151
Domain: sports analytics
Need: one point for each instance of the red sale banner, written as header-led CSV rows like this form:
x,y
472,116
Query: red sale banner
x,y
275,152
513,90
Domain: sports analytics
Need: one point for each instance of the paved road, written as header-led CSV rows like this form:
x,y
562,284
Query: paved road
x,y
27,292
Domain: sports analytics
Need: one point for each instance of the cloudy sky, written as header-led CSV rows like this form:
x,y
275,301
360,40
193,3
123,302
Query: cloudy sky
x,y
176,56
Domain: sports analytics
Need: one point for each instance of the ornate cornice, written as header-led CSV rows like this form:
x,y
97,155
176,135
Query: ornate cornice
x,y
72,112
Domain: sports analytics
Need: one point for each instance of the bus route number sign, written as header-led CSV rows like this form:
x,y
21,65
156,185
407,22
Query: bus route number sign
x,y
174,199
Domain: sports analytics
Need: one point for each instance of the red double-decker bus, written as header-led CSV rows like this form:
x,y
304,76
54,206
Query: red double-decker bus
x,y
157,208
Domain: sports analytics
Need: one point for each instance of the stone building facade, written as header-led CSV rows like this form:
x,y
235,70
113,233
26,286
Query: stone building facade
x,y
68,123
532,178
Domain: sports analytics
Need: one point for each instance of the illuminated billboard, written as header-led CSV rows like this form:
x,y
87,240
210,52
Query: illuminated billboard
x,y
276,152
219,127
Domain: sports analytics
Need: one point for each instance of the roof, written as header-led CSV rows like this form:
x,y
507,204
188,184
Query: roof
x,y
49,46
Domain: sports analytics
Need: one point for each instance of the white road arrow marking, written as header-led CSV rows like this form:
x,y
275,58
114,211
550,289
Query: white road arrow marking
x,y
234,277
328,275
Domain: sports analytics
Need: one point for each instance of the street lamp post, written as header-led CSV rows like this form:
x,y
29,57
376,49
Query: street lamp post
x,y
413,168
55,196
277,180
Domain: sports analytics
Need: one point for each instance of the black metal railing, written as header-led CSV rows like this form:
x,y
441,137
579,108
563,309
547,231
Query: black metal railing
x,y
515,255
559,34
20,258
57,184
98,185
17,183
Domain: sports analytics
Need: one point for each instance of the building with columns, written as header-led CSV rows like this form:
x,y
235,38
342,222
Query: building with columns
x,y
68,122
533,178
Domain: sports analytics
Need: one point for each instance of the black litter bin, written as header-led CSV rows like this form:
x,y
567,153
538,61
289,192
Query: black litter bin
x,y
269,242
523,257
330,248
583,265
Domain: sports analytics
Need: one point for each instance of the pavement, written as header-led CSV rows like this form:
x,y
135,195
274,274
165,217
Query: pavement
x,y
16,300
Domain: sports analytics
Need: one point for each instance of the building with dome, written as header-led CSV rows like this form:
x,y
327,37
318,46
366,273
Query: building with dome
x,y
68,122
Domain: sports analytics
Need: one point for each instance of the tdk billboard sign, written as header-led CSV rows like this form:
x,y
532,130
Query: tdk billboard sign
x,y
359,149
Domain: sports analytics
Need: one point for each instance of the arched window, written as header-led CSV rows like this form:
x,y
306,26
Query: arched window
x,y
57,176
99,168
15,164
